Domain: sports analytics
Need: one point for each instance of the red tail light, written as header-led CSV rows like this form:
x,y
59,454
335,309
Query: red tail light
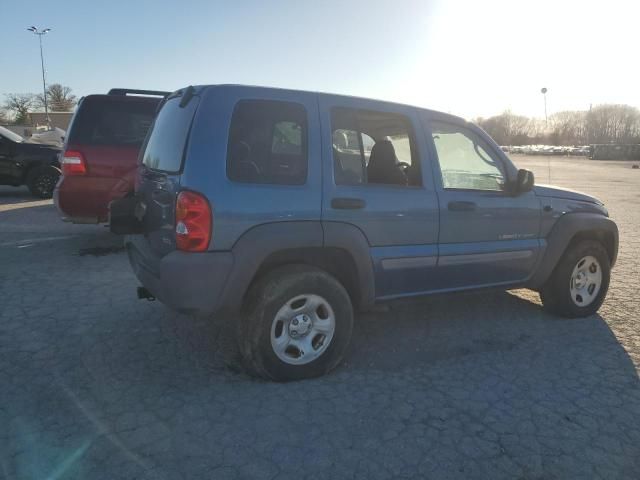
x,y
73,163
193,222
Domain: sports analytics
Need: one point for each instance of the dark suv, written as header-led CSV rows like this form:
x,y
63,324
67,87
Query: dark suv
x,y
101,150
31,164
293,208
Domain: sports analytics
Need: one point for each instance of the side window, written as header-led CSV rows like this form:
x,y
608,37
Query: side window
x,y
268,143
465,161
350,159
373,148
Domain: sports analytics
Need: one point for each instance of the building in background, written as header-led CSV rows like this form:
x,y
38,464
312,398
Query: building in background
x,y
58,119
615,152
39,119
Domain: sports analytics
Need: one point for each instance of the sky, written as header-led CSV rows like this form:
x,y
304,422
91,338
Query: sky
x,y
470,58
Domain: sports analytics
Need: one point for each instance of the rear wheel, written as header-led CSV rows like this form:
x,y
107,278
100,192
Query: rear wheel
x,y
579,282
42,180
298,324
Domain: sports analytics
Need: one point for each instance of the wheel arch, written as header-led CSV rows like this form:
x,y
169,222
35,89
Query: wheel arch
x,y
569,230
33,165
340,251
335,261
605,237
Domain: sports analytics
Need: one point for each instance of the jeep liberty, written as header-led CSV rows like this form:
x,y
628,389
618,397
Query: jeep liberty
x,y
292,209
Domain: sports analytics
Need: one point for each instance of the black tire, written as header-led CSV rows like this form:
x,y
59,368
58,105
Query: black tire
x,y
556,292
42,180
265,299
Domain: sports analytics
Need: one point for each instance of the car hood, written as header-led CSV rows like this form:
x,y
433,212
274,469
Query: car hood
x,y
564,193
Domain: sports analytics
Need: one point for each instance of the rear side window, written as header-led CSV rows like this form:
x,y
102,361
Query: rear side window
x,y
268,143
112,121
166,145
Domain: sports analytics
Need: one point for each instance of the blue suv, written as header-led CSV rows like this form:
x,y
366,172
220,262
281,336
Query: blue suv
x,y
292,209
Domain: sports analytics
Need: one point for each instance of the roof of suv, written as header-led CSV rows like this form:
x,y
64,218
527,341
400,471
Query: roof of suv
x,y
199,88
129,91
127,94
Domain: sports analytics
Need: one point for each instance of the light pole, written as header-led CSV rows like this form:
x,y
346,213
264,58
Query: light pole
x,y
544,90
40,33
544,94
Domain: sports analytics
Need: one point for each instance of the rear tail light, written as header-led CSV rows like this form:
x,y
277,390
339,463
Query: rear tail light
x,y
193,222
73,163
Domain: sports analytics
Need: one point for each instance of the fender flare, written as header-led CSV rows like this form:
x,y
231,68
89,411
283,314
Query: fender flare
x,y
563,232
254,246
350,238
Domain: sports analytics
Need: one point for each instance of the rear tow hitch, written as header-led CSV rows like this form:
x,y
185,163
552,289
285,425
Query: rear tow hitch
x,y
144,293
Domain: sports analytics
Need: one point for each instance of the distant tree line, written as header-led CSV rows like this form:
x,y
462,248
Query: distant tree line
x,y
18,106
600,124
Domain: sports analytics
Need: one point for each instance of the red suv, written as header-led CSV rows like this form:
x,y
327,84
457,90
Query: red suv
x,y
101,150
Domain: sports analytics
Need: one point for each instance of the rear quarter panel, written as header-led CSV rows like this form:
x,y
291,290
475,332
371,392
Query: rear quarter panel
x,y
238,207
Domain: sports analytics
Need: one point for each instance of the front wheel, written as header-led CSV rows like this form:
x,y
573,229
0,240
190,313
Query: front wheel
x,y
579,283
298,324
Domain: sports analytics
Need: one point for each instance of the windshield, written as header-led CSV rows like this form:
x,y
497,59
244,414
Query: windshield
x,y
8,134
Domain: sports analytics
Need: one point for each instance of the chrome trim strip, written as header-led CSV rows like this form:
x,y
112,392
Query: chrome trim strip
x,y
484,257
408,262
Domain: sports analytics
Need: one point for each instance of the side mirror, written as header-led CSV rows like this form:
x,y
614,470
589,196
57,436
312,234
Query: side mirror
x,y
524,181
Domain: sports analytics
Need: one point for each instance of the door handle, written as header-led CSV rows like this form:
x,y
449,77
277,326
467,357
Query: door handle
x,y
348,203
462,206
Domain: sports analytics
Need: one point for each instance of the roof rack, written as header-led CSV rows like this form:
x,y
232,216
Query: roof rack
x,y
129,91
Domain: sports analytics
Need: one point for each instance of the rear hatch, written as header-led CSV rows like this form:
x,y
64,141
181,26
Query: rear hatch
x,y
101,152
108,131
159,182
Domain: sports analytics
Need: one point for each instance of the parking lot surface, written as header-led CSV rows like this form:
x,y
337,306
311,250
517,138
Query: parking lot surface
x,y
97,384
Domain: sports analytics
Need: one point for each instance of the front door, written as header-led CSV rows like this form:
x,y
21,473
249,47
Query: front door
x,y
487,235
374,179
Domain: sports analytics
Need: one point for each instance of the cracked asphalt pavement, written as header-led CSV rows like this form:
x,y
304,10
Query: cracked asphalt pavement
x,y
97,384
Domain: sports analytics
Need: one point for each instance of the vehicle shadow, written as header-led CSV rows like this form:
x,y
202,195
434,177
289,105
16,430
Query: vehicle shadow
x,y
466,383
40,217
476,366
436,328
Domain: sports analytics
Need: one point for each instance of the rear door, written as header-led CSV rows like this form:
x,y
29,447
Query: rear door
x,y
398,212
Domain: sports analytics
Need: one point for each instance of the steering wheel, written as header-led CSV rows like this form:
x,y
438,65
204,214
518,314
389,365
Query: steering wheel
x,y
404,166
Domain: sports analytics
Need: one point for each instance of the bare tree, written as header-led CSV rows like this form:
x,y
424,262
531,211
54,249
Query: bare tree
x,y
20,104
507,128
3,116
613,124
59,98
569,127
601,124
